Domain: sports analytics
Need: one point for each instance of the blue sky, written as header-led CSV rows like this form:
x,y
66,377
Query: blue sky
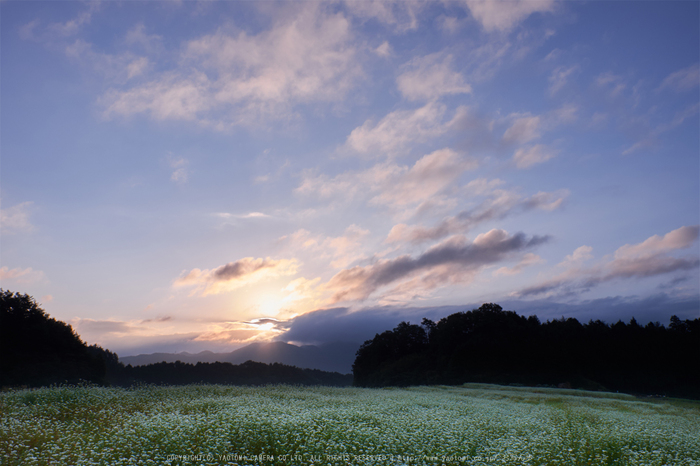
x,y
200,175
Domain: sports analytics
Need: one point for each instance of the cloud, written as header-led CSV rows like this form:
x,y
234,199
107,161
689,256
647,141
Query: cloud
x,y
400,15
646,259
500,204
560,77
533,155
234,275
23,276
394,185
229,78
384,49
340,251
581,254
431,77
179,167
137,37
613,83
393,133
499,15
453,260
654,134
526,261
15,219
683,80
73,26
249,215
524,129
429,176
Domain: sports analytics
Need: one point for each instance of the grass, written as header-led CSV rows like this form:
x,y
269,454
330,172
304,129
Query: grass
x,y
475,424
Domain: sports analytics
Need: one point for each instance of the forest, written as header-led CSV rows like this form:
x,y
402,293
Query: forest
x,y
491,345
485,345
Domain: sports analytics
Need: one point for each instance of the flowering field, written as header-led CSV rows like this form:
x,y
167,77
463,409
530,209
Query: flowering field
x,y
283,425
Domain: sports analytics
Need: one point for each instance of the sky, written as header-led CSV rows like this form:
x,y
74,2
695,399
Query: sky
x,y
182,176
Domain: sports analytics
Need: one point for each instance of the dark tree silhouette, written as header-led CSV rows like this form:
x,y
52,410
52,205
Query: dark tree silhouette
x,y
492,345
37,350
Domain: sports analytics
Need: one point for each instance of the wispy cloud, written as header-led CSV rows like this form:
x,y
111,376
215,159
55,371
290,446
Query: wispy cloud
x,y
341,251
683,80
20,276
527,157
502,16
646,259
393,185
401,15
654,134
400,128
524,129
499,204
74,25
15,219
431,77
178,165
560,77
249,215
228,78
527,260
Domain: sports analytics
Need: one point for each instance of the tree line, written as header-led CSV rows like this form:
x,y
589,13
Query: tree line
x,y
491,345
37,350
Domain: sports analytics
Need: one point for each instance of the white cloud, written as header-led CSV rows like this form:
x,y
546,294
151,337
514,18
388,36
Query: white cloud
x,y
429,176
15,219
137,37
652,136
400,128
683,80
234,78
171,97
524,129
500,15
400,15
179,169
581,254
340,251
560,77
384,50
613,83
74,25
681,238
530,156
21,276
394,185
430,77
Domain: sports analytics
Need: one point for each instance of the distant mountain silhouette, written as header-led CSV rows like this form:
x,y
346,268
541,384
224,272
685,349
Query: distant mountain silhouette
x,y
331,357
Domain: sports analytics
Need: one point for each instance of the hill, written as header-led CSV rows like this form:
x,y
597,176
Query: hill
x,y
331,357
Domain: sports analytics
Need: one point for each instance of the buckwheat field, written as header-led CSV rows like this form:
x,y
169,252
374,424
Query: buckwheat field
x,y
286,425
